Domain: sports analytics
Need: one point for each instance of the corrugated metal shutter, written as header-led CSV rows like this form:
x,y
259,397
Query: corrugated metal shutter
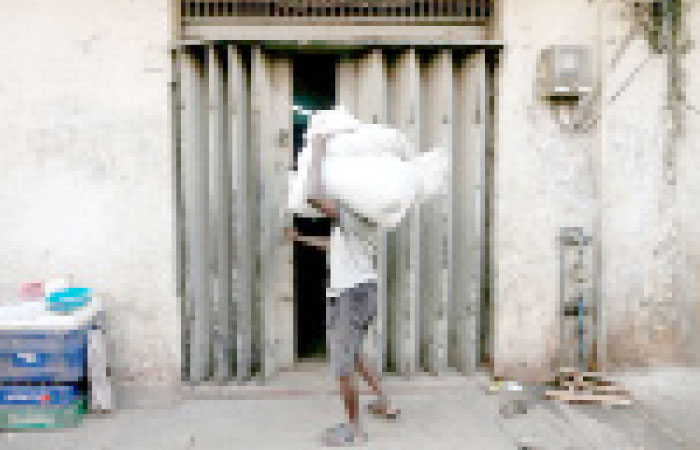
x,y
236,149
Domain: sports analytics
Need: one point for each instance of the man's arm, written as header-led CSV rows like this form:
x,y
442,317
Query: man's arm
x,y
317,196
327,207
319,242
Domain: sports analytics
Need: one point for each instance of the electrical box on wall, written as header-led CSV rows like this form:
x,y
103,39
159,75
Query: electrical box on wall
x,y
565,72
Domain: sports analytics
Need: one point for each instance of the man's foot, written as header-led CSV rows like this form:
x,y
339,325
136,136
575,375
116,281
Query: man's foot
x,y
344,435
381,408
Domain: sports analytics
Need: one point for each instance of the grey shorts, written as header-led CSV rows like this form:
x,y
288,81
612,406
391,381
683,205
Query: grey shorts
x,y
348,317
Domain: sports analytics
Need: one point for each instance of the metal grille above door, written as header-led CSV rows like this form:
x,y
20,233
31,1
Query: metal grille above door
x,y
464,11
342,22
235,151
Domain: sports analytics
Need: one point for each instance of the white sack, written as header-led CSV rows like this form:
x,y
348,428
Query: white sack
x,y
379,188
384,187
332,123
299,184
369,168
432,169
370,140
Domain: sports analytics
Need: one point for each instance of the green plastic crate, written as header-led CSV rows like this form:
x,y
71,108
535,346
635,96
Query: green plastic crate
x,y
34,416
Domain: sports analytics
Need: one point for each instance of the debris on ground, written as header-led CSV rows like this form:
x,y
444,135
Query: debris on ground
x,y
513,407
500,385
514,401
575,387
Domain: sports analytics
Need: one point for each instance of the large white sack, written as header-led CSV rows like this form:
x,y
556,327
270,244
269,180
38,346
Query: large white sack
x,y
380,188
331,122
297,200
432,168
369,167
347,137
370,140
299,183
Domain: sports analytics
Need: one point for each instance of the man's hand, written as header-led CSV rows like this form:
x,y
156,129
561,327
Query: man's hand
x,y
318,242
291,233
327,207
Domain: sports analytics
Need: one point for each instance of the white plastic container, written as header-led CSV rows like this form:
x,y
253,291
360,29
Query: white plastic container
x,y
34,316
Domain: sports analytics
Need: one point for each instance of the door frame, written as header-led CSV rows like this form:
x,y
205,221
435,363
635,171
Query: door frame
x,y
489,47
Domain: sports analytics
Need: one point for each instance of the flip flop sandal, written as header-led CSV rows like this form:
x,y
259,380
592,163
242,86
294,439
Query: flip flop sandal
x,y
377,409
342,435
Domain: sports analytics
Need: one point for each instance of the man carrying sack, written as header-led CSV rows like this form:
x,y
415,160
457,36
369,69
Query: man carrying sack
x,y
335,177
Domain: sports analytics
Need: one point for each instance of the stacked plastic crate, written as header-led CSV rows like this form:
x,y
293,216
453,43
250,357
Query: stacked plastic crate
x,y
43,365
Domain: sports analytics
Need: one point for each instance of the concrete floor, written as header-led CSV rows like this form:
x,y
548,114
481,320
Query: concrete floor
x,y
447,413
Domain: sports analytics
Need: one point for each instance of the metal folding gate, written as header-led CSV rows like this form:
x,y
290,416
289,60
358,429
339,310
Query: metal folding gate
x,y
233,120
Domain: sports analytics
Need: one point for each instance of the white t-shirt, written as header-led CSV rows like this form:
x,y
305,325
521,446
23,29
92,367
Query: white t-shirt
x,y
353,250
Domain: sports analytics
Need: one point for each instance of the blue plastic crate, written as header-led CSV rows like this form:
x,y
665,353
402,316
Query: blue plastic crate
x,y
38,395
43,357
42,341
18,417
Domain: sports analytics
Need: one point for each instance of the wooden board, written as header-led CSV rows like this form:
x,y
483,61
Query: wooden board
x,y
588,398
577,387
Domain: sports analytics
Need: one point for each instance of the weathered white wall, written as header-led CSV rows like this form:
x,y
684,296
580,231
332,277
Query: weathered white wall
x,y
543,181
632,143
608,180
85,166
644,327
689,185
85,175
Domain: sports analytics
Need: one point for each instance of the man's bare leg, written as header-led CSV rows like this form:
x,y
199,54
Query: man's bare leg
x,y
370,377
373,381
351,399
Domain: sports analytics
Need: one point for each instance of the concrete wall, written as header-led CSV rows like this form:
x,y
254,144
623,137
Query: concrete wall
x,y
85,177
651,243
632,146
608,180
544,180
689,187
85,166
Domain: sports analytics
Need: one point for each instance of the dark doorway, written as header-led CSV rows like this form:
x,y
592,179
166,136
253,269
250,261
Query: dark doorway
x,y
314,89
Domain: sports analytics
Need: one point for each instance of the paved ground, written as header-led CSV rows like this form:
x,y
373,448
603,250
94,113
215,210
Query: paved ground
x,y
670,398
438,414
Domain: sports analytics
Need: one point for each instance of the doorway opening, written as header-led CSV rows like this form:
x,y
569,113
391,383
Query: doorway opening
x,y
313,89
